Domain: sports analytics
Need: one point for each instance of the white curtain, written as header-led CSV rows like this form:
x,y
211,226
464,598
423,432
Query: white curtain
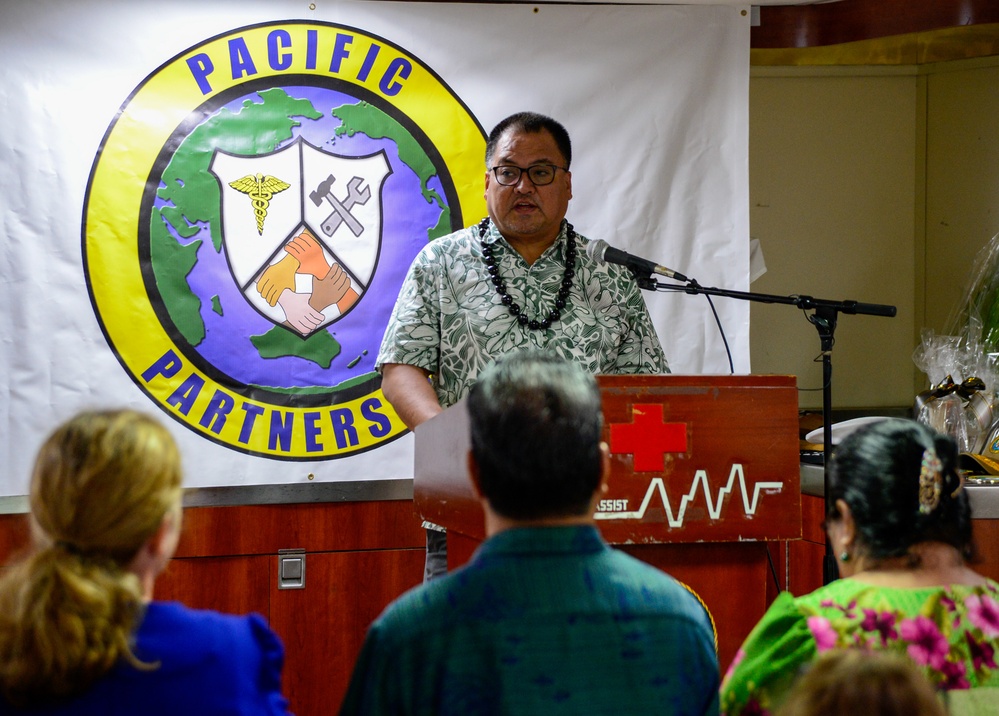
x,y
654,96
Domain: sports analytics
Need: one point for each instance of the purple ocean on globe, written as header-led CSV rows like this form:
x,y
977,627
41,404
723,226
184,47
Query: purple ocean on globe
x,y
189,266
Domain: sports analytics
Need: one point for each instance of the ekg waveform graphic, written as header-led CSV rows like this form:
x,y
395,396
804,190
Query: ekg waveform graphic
x,y
700,481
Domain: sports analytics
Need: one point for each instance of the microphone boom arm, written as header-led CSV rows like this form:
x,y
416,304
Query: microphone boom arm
x,y
805,303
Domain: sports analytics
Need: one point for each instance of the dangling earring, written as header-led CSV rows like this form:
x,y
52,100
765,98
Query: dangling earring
x,y
844,556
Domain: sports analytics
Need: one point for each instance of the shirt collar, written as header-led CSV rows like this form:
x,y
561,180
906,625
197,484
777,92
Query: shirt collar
x,y
493,236
574,539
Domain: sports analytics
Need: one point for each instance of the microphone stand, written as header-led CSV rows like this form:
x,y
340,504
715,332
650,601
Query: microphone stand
x,y
825,314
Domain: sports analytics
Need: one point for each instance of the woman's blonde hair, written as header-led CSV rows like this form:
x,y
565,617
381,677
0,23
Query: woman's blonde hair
x,y
101,487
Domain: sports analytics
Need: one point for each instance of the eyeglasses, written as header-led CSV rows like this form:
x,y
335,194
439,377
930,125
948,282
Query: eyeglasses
x,y
539,174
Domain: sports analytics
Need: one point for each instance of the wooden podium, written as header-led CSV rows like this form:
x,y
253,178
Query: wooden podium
x,y
704,472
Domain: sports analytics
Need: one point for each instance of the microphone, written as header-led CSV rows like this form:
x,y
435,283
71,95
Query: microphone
x,y
601,252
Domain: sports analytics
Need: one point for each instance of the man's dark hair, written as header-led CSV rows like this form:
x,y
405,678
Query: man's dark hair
x,y
530,122
535,432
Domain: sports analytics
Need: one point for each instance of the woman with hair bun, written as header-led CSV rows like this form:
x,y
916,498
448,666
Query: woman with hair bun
x,y
899,523
79,631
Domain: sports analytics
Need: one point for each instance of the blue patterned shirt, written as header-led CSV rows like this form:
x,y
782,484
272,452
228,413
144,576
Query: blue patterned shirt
x,y
549,621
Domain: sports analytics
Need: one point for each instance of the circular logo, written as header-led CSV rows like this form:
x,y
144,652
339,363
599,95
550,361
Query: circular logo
x,y
249,220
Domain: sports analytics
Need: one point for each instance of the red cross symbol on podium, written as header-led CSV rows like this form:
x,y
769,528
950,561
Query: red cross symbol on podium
x,y
648,437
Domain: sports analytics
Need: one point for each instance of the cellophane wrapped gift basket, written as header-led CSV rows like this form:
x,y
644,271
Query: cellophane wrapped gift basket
x,y
962,369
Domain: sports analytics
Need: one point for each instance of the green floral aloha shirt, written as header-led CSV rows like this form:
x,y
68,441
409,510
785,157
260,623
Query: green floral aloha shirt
x,y
450,321
952,633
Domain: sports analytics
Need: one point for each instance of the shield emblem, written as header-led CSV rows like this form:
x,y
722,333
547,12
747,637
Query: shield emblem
x,y
302,230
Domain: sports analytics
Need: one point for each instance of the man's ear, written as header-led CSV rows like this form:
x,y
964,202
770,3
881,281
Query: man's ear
x,y
473,473
605,467
601,488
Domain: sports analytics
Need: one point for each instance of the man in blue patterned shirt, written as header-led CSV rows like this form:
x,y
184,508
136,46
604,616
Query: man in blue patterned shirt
x,y
546,618
519,279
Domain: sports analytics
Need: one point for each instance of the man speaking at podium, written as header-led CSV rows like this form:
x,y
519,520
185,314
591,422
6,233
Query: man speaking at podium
x,y
519,279
546,618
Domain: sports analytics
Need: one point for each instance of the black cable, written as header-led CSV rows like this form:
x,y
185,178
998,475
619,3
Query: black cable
x,y
773,569
731,366
693,284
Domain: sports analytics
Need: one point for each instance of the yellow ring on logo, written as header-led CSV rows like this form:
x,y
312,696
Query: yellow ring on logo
x,y
118,181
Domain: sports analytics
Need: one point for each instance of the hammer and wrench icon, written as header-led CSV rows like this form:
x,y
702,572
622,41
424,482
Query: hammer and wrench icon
x,y
356,194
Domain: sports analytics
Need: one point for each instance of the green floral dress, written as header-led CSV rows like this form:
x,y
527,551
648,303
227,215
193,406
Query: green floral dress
x,y
952,633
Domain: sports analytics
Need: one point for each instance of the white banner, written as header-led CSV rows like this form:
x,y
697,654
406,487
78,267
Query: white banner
x,y
207,208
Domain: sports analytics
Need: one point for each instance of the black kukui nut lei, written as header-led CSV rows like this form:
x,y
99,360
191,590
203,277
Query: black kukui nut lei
x,y
563,292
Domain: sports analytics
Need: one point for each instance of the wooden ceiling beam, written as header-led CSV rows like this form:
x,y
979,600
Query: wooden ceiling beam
x,y
788,26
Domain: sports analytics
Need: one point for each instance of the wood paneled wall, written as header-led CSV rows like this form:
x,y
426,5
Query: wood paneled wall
x,y
359,557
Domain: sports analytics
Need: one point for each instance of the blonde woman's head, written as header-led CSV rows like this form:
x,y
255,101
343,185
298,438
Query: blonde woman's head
x,y
104,486
103,482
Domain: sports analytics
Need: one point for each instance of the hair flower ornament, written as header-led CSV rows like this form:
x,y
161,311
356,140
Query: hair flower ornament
x,y
930,481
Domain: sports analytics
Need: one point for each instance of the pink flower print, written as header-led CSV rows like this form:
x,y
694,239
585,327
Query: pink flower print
x,y
883,624
847,610
927,646
949,603
983,612
982,653
822,631
736,660
955,676
753,708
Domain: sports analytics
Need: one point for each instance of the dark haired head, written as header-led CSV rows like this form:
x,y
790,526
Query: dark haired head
x,y
530,122
535,432
876,472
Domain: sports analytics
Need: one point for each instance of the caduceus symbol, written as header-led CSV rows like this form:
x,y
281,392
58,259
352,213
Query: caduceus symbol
x,y
260,189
